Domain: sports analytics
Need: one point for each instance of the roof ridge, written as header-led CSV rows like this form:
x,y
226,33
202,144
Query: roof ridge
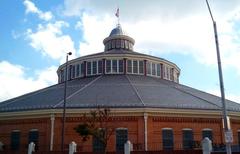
x,y
182,90
90,83
135,90
2,104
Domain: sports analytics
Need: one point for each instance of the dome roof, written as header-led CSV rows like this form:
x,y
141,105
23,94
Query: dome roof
x,y
117,31
117,91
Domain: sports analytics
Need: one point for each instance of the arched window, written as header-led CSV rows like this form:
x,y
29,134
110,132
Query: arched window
x,y
239,137
167,139
206,132
97,144
187,138
121,138
33,137
15,139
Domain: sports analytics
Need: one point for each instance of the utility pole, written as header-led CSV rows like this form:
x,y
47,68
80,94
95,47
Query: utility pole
x,y
227,130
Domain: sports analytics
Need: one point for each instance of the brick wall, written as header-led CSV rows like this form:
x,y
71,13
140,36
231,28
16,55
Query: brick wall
x,y
135,127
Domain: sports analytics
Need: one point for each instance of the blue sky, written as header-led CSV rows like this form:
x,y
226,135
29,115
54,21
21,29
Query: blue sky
x,y
35,36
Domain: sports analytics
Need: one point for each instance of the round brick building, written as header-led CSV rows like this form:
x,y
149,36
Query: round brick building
x,y
148,105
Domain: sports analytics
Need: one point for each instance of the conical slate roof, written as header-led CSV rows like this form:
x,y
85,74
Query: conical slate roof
x,y
118,91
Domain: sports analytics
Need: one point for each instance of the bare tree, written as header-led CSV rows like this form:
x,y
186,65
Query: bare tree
x,y
98,124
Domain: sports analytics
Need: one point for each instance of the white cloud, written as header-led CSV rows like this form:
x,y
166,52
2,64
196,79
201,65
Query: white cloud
x,y
94,31
50,41
15,83
31,8
180,29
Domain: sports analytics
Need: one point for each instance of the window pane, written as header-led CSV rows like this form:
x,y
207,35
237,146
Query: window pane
x,y
141,67
15,140
167,137
73,71
33,137
89,65
158,70
122,43
108,66
239,138
126,44
207,133
114,66
113,43
121,139
94,67
69,72
100,66
62,75
98,145
187,139
129,66
120,65
118,44
149,71
153,69
171,74
83,70
78,70
135,66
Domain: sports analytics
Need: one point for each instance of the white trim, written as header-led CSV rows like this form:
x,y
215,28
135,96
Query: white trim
x,y
187,129
52,118
206,129
16,130
167,128
121,128
33,130
145,131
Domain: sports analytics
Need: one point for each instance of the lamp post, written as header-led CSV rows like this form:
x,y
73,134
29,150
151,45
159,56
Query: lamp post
x,y
227,130
64,101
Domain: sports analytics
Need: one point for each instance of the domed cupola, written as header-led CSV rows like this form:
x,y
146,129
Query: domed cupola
x,y
118,40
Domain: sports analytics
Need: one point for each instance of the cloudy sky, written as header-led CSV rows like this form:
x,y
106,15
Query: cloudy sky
x,y
36,35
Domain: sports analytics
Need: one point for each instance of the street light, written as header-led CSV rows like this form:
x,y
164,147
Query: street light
x,y
227,130
64,101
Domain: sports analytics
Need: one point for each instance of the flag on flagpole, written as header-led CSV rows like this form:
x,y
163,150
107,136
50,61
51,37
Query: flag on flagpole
x,y
117,13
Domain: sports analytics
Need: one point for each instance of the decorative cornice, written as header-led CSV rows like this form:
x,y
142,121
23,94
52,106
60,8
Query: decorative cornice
x,y
119,112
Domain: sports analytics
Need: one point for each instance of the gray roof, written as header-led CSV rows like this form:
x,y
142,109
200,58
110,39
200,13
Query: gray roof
x,y
117,31
119,91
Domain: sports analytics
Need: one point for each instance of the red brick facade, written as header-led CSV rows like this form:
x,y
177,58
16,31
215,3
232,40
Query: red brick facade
x,y
134,124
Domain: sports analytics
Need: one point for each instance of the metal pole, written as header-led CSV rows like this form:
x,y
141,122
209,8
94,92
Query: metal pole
x,y
64,102
224,110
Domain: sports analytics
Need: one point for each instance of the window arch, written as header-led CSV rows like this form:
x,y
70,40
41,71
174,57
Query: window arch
x,y
15,139
121,138
33,137
167,139
187,138
207,132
